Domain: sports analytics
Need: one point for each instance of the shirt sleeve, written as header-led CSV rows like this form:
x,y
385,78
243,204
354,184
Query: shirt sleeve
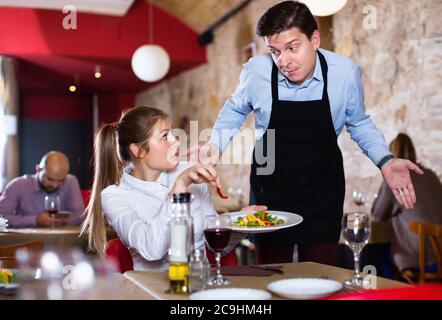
x,y
75,203
149,238
359,125
233,113
9,202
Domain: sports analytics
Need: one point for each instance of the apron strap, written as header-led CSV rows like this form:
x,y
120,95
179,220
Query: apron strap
x,y
324,69
274,81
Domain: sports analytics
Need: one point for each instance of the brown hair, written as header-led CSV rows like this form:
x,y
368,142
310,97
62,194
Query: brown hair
x,y
284,16
135,126
402,147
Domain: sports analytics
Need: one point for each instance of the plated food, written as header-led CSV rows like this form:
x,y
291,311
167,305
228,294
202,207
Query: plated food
x,y
8,281
258,219
262,221
8,276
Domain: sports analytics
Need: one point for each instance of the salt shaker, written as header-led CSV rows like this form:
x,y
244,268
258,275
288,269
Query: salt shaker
x,y
199,270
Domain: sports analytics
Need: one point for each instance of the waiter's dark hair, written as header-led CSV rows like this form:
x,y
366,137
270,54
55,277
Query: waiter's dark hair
x,y
284,16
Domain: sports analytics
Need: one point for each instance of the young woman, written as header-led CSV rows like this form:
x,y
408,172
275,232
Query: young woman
x,y
136,171
404,244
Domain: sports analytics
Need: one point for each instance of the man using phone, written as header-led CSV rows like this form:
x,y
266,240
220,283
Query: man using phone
x,y
23,200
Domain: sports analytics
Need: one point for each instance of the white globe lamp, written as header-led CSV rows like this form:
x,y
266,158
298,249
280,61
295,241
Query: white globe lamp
x,y
322,8
150,63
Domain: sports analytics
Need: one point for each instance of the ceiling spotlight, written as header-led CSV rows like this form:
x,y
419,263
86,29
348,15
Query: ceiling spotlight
x,y
97,72
72,88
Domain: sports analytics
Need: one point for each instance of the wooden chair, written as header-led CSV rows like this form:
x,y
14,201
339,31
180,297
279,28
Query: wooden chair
x,y
433,232
86,196
10,250
118,253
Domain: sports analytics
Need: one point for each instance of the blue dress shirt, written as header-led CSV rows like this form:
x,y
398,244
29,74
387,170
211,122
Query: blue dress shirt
x,y
345,91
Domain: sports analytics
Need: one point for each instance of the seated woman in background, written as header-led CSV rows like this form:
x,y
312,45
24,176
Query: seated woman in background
x,y
136,171
404,243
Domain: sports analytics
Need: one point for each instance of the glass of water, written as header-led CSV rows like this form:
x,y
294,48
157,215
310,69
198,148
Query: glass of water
x,y
356,228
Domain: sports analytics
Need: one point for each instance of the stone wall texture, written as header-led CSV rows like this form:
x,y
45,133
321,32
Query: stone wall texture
x,y
398,46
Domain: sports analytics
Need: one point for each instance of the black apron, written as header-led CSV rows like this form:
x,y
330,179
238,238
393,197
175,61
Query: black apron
x,y
309,176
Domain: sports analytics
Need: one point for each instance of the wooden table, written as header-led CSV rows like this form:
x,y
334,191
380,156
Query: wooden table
x,y
130,291
65,236
155,283
125,290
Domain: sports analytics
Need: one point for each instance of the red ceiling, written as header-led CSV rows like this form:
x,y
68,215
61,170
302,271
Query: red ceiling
x,y
49,56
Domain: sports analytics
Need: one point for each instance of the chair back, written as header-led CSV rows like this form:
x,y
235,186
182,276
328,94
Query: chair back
x,y
86,195
432,232
119,254
228,260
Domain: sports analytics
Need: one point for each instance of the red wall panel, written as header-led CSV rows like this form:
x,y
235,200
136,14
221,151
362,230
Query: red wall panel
x,y
57,107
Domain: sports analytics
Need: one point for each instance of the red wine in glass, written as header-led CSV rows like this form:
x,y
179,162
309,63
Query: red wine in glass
x,y
217,233
52,205
217,238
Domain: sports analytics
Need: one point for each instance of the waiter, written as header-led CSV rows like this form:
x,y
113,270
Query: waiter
x,y
306,95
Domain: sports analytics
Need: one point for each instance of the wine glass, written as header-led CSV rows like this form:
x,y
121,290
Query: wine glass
x,y
358,198
237,192
217,233
356,229
52,206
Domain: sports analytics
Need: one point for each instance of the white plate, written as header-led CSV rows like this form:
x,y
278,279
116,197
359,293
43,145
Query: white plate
x,y
304,288
9,289
231,294
291,219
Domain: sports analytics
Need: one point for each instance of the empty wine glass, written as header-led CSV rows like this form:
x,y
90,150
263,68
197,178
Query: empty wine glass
x,y
356,229
237,192
52,206
358,198
217,234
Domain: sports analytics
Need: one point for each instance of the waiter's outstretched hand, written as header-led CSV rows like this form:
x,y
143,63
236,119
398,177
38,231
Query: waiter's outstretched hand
x,y
396,173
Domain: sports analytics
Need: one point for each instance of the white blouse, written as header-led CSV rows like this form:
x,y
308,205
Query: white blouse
x,y
137,210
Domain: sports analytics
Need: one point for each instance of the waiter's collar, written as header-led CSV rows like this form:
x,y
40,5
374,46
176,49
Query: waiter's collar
x,y
317,76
